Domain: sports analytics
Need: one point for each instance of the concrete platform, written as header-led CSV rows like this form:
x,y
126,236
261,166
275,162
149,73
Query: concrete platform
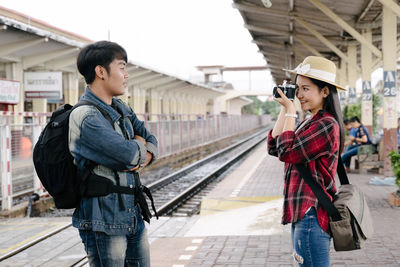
x,y
239,225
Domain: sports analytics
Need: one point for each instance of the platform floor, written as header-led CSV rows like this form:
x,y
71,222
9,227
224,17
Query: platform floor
x,y
239,225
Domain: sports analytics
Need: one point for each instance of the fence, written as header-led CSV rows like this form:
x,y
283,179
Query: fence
x,y
175,133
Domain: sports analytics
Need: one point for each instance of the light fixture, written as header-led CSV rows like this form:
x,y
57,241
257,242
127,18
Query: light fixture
x,y
267,3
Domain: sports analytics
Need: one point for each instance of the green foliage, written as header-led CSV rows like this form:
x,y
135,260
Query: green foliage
x,y
352,110
272,108
259,107
253,108
395,162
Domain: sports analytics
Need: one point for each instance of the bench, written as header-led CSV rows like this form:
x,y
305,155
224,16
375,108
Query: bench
x,y
370,159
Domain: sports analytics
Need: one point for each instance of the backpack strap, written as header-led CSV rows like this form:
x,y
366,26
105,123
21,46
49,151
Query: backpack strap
x,y
102,111
319,192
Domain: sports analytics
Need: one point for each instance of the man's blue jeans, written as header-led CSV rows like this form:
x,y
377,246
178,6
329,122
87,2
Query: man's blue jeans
x,y
346,157
311,244
117,250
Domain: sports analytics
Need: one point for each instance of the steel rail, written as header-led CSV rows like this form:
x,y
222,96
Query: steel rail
x,y
174,203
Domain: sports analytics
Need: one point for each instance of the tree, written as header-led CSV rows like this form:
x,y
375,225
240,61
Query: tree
x,y
253,108
272,108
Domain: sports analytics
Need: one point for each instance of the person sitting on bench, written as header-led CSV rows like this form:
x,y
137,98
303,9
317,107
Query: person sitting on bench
x,y
361,138
352,135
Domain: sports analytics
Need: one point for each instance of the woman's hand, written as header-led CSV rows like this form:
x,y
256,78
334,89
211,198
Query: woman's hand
x,y
285,102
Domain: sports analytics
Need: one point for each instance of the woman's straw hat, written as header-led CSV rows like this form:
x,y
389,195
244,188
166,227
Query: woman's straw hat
x,y
318,68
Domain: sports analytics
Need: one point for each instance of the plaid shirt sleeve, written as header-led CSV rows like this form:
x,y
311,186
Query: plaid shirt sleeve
x,y
271,145
309,143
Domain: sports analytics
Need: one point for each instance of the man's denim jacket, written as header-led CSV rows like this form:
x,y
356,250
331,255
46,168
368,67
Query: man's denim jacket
x,y
92,137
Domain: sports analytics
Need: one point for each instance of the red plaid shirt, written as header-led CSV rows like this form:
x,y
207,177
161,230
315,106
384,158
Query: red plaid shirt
x,y
317,145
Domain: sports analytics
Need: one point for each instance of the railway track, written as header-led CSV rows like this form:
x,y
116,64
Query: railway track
x,y
172,191
178,194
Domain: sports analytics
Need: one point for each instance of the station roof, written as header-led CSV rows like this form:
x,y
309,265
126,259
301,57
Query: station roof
x,y
290,30
43,47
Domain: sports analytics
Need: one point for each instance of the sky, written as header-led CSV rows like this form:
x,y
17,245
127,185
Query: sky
x,y
171,36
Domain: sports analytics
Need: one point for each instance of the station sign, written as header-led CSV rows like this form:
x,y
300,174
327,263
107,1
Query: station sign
x,y
389,83
352,96
9,92
43,85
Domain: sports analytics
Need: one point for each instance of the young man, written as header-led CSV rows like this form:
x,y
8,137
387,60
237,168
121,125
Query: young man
x,y
352,135
111,227
361,138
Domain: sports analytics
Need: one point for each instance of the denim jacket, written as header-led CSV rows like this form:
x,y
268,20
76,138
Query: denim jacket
x,y
92,137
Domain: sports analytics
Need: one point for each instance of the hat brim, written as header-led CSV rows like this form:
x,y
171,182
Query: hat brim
x,y
317,78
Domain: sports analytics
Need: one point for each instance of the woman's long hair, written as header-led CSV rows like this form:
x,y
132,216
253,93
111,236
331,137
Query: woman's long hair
x,y
332,105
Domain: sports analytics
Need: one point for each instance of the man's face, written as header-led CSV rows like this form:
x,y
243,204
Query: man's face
x,y
347,126
355,124
117,77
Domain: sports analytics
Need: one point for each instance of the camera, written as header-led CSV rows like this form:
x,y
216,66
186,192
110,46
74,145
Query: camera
x,y
287,88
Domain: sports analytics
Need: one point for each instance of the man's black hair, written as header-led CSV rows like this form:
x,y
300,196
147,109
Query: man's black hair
x,y
346,121
355,119
99,53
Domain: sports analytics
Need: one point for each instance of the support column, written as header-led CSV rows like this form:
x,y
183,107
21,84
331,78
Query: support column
x,y
70,88
155,105
342,80
390,106
14,71
366,65
352,73
39,105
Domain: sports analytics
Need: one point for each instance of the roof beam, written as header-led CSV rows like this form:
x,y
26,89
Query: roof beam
x,y
148,78
30,61
392,6
268,44
10,48
137,74
158,82
170,85
347,27
274,12
309,48
265,30
327,43
60,63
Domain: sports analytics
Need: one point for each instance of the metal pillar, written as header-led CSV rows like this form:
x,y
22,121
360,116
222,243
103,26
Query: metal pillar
x,y
352,73
389,45
366,63
342,80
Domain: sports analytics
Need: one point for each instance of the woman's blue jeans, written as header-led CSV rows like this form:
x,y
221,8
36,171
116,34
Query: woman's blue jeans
x,y
117,250
311,244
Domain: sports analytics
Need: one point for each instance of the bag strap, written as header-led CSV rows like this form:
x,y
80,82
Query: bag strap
x,y
319,192
140,187
102,111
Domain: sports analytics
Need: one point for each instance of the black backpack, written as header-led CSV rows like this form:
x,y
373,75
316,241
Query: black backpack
x,y
61,177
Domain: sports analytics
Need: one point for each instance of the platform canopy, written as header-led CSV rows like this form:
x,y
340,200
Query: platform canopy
x,y
290,30
39,46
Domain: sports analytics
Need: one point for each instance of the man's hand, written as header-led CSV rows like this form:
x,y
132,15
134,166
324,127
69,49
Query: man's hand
x,y
137,137
149,157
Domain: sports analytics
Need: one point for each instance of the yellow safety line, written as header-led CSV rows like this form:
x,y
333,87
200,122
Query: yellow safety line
x,y
20,244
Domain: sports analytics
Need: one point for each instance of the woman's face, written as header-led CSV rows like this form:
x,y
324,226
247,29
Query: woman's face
x,y
309,95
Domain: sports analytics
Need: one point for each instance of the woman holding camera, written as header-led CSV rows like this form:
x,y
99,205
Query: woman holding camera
x,y
316,142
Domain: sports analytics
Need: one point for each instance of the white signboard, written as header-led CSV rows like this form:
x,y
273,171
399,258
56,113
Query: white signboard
x,y
9,91
43,85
